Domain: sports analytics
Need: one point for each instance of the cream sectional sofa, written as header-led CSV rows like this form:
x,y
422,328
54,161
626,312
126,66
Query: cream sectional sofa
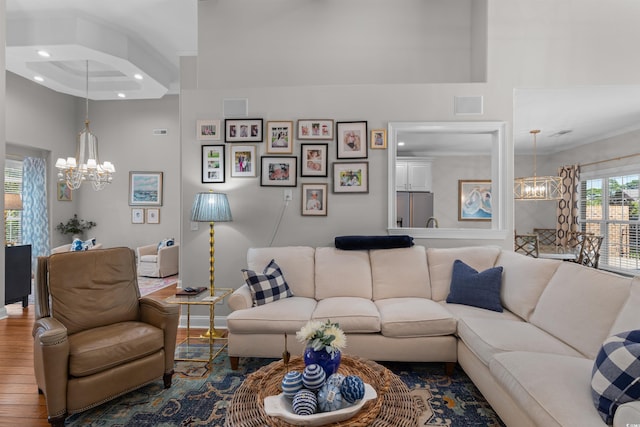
x,y
532,362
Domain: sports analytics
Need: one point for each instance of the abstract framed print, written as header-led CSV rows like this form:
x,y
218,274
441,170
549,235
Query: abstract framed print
x,y
474,200
351,140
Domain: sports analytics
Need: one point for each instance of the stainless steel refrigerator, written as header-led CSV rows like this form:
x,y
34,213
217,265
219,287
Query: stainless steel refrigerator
x,y
413,208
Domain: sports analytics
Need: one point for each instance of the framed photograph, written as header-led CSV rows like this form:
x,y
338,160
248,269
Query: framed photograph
x,y
314,159
212,163
65,194
208,130
314,199
243,130
278,171
280,137
153,215
243,161
315,129
351,140
351,177
378,138
145,188
137,215
474,200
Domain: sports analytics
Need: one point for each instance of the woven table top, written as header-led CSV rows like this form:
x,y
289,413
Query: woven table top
x,y
394,406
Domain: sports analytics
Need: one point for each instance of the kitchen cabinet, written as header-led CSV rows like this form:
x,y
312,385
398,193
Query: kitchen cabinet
x,y
413,174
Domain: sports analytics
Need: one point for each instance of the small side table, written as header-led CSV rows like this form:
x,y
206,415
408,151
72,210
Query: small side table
x,y
203,299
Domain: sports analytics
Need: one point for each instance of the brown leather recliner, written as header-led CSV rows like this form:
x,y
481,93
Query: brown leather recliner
x,y
95,338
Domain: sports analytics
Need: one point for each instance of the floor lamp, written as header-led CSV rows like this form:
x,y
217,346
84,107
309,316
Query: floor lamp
x,y
211,207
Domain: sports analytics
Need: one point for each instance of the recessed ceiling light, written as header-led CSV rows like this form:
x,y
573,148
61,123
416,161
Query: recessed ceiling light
x,y
137,76
122,95
400,143
38,79
44,53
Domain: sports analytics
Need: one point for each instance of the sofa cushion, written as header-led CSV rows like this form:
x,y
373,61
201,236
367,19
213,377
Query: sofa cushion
x,y
269,286
478,289
285,315
414,317
103,348
342,274
521,296
440,261
296,262
615,378
149,258
628,318
553,389
459,311
398,273
579,306
353,314
165,243
488,337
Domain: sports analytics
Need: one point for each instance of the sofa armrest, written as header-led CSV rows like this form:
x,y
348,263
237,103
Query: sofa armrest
x,y
627,414
240,298
146,250
51,363
166,317
168,259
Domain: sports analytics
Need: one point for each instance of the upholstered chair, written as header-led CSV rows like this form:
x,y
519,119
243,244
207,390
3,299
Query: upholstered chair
x,y
95,338
154,262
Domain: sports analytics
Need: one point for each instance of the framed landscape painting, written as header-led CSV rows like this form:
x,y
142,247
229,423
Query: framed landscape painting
x,y
474,200
145,188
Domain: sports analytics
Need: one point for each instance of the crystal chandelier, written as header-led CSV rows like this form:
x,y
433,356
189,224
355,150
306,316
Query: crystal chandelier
x,y
85,166
537,187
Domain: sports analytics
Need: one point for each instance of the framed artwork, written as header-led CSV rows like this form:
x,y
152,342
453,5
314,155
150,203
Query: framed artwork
x,y
351,140
378,138
65,194
212,163
474,200
278,171
314,159
137,215
246,130
208,130
153,215
243,160
145,188
314,199
315,129
351,177
280,137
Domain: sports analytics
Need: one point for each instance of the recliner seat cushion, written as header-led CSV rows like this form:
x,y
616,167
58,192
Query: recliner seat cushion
x,y
102,348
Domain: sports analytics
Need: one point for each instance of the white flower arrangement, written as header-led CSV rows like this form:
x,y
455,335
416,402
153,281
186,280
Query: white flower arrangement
x,y
322,335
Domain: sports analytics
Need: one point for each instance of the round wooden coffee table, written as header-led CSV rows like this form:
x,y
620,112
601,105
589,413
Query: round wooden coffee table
x,y
394,406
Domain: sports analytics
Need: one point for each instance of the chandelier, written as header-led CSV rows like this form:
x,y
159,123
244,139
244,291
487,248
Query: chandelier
x,y
537,187
85,166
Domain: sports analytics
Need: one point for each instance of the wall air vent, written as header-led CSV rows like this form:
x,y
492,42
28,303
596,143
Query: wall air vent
x,y
160,131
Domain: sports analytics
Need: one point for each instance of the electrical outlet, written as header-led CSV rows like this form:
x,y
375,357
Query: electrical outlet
x,y
288,194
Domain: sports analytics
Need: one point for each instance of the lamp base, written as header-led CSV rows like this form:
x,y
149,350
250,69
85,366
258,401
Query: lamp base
x,y
212,333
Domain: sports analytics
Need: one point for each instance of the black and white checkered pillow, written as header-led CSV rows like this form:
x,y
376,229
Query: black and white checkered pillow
x,y
615,378
267,287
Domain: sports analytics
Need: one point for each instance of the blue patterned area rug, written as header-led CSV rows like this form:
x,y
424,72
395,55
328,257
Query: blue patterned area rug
x,y
199,397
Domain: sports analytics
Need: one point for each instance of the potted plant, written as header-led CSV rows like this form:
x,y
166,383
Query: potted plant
x,y
75,226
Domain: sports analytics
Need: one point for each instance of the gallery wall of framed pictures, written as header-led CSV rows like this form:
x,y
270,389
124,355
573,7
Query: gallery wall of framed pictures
x,y
278,152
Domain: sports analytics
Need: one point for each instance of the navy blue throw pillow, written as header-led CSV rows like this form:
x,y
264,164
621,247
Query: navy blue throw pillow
x,y
469,287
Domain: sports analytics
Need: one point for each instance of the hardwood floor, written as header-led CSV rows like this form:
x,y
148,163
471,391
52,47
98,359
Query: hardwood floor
x,y
20,403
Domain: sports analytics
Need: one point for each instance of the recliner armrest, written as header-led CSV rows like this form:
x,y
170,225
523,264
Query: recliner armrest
x,y
166,317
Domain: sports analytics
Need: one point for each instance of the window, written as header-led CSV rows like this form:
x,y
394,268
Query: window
x,y
609,207
13,185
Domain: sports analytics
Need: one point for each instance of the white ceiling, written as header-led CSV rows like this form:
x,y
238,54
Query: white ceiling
x,y
119,38
123,37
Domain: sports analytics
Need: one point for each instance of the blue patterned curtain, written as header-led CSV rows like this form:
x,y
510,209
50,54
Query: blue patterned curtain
x,y
35,223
